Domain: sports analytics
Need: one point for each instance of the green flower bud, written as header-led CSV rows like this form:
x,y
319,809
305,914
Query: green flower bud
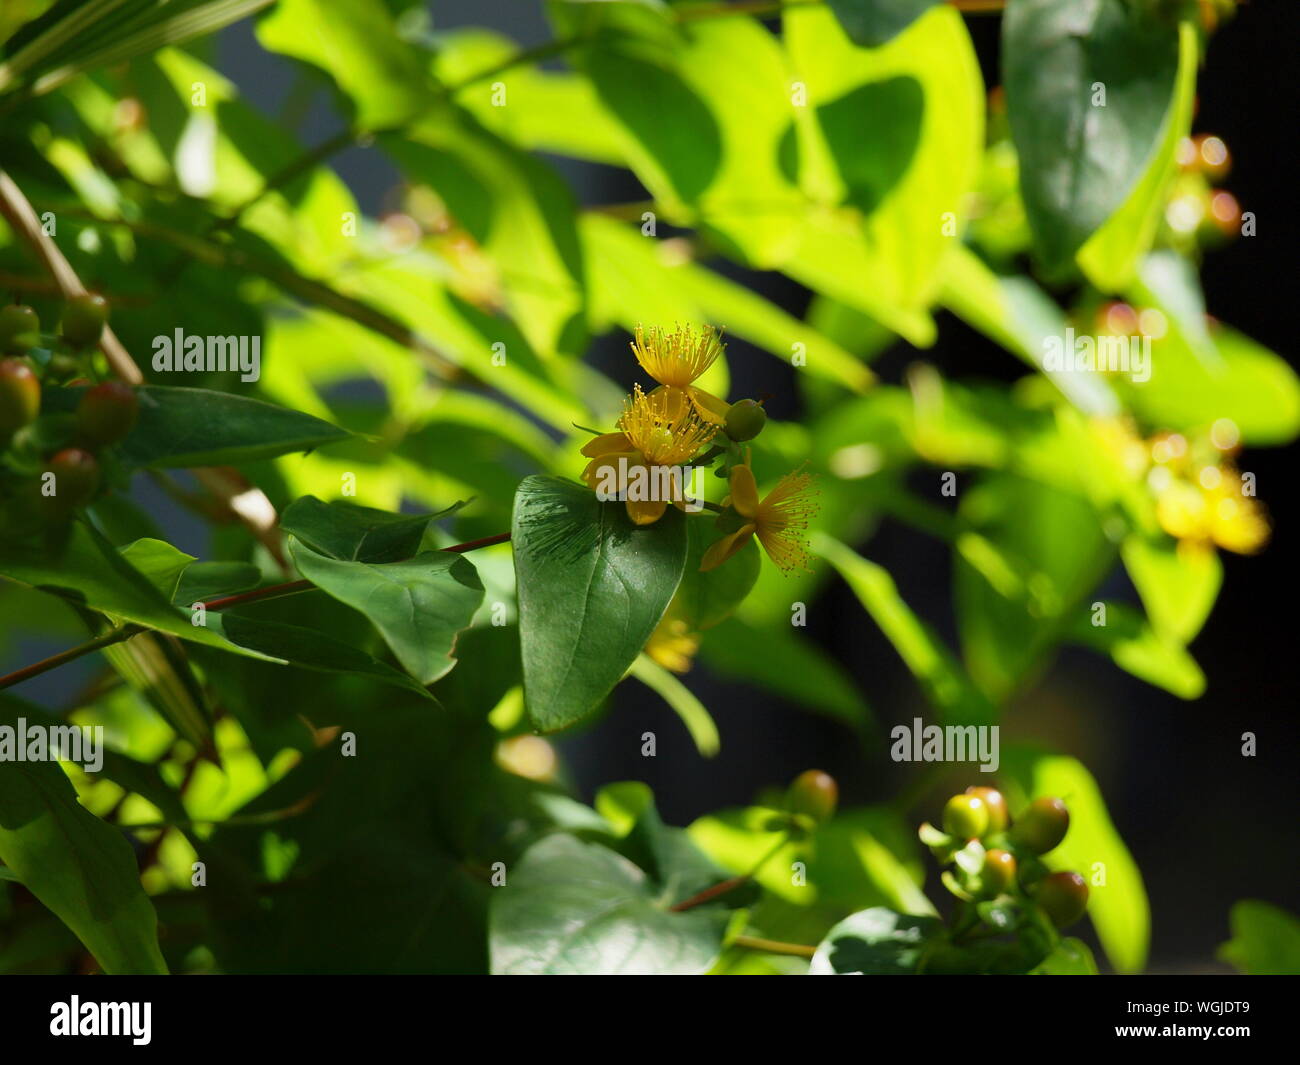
x,y
1042,826
1063,897
20,329
106,413
999,817
84,319
814,794
20,396
745,420
965,817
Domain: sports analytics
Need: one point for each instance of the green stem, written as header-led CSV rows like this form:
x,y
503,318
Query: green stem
x,y
774,946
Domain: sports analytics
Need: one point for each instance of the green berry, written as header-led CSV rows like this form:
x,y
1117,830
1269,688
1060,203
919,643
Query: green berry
x,y
1042,826
106,413
84,319
76,477
20,396
1063,897
965,817
20,329
814,794
745,420
999,873
999,817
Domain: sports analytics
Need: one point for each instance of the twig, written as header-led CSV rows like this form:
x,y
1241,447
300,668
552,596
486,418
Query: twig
x,y
73,653
773,946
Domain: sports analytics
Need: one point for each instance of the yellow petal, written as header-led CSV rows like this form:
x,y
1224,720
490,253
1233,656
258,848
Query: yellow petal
x,y
592,475
744,491
605,443
723,549
712,409
646,511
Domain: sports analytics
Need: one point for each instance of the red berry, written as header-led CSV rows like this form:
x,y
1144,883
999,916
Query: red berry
x,y
995,804
76,477
1042,826
1063,897
814,794
20,396
106,413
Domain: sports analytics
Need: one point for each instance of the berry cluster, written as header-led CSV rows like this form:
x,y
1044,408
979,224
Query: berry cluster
x,y
53,461
1003,887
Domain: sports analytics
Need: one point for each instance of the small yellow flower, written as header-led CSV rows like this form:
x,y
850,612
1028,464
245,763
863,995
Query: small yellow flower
x,y
677,359
778,520
656,431
673,645
1213,511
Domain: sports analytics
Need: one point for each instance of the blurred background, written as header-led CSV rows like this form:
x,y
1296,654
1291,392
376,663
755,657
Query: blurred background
x,y
1207,826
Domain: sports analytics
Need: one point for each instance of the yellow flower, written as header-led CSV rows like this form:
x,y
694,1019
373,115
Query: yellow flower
x,y
677,359
673,644
778,520
1213,511
656,432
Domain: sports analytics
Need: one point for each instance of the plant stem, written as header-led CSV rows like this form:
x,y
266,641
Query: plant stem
x,y
717,890
773,946
54,661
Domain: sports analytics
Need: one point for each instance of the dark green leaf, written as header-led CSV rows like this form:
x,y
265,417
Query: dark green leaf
x,y
418,605
181,427
875,942
873,22
1080,159
592,587
1265,940
573,907
77,865
354,533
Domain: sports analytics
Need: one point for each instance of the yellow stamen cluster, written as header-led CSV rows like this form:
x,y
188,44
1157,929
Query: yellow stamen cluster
x,y
664,427
782,520
678,358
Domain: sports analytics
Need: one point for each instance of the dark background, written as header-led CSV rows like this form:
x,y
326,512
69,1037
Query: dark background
x,y
1206,825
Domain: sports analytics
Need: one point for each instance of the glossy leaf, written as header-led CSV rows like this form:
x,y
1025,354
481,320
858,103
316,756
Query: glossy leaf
x,y
79,867
419,605
578,908
592,587
1079,160
875,942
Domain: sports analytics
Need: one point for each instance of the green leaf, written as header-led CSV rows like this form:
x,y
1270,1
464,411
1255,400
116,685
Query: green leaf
x,y
592,587
1118,908
875,942
1079,160
1071,957
78,866
357,44
1178,586
182,427
522,215
160,562
704,600
939,674
695,716
1058,549
1265,940
207,580
895,135
1016,313
418,605
1113,252
309,648
353,533
874,22
86,571
572,908
1159,658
